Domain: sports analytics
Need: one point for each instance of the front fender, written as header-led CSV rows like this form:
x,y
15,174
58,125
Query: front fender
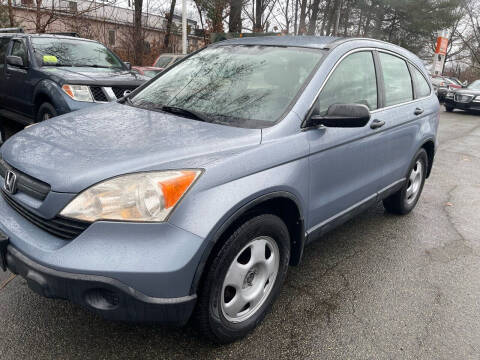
x,y
48,89
210,211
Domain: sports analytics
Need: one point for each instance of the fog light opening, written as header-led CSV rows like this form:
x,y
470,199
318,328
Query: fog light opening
x,y
102,299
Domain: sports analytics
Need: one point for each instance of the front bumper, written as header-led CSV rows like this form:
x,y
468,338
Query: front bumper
x,y
474,106
149,268
105,296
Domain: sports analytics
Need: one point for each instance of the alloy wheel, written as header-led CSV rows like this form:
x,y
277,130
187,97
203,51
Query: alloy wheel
x,y
414,182
250,279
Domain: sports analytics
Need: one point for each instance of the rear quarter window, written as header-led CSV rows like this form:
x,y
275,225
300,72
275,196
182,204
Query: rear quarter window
x,y
422,89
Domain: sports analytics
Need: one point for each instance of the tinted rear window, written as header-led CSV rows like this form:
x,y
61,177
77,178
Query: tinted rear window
x,y
3,50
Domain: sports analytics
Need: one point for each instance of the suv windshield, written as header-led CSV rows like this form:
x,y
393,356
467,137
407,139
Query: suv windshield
x,y
249,86
69,52
474,85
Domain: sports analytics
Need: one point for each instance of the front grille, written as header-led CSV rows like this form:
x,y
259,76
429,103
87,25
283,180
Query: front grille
x,y
25,183
120,90
59,226
98,94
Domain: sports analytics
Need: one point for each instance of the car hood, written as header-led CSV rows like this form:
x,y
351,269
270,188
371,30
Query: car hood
x,y
467,92
96,76
76,150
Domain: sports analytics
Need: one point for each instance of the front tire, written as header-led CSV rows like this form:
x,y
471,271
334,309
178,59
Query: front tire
x,y
405,199
45,112
244,279
449,108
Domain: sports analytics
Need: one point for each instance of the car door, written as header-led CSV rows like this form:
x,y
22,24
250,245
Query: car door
x,y
346,164
401,113
4,41
17,80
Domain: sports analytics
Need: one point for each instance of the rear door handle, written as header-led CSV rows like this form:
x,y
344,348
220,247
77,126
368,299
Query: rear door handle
x,y
377,124
418,111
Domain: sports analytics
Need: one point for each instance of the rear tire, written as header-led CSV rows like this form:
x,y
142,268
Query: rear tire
x,y
244,279
449,108
45,112
405,199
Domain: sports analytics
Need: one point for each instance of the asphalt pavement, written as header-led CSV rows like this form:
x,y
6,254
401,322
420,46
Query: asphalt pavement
x,y
378,287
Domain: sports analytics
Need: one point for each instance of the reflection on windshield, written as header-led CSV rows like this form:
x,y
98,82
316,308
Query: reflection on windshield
x,y
238,85
66,52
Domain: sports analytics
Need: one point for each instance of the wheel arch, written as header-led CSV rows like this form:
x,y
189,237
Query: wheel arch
x,y
281,203
48,91
429,146
40,98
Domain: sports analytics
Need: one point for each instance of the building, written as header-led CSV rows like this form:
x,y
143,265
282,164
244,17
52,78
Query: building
x,y
109,22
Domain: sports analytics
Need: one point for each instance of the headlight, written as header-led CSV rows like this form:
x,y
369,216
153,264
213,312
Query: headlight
x,y
449,95
148,196
78,92
477,99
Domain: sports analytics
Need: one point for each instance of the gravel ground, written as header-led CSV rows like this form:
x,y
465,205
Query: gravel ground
x,y
378,287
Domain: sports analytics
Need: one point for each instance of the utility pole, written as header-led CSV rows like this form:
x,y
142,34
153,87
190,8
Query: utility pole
x,y
184,26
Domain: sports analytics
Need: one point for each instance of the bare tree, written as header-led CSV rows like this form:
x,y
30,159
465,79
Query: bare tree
x,y
235,16
137,35
169,16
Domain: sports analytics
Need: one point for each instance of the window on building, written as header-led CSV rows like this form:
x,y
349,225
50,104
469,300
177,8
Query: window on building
x,y
352,82
27,3
398,84
111,37
72,6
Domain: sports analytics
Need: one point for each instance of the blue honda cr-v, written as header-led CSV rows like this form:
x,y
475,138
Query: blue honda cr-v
x,y
194,194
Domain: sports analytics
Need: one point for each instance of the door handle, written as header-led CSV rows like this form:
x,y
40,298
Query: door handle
x,y
377,124
418,111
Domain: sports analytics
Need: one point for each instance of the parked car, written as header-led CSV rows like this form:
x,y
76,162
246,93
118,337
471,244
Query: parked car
x,y
443,84
166,60
194,194
42,76
148,71
160,64
465,99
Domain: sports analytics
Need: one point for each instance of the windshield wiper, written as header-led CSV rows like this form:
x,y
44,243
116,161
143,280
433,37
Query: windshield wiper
x,y
57,65
184,112
96,66
127,101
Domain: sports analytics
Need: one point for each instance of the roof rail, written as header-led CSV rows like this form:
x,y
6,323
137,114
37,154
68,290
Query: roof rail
x,y
72,34
12,30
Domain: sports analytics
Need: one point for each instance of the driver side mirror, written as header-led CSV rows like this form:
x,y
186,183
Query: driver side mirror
x,y
341,116
15,61
128,65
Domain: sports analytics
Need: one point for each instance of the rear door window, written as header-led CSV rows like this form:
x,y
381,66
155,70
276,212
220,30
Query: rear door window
x,y
3,51
398,83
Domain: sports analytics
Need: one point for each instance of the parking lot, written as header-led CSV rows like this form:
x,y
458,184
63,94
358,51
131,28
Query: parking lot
x,y
380,286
